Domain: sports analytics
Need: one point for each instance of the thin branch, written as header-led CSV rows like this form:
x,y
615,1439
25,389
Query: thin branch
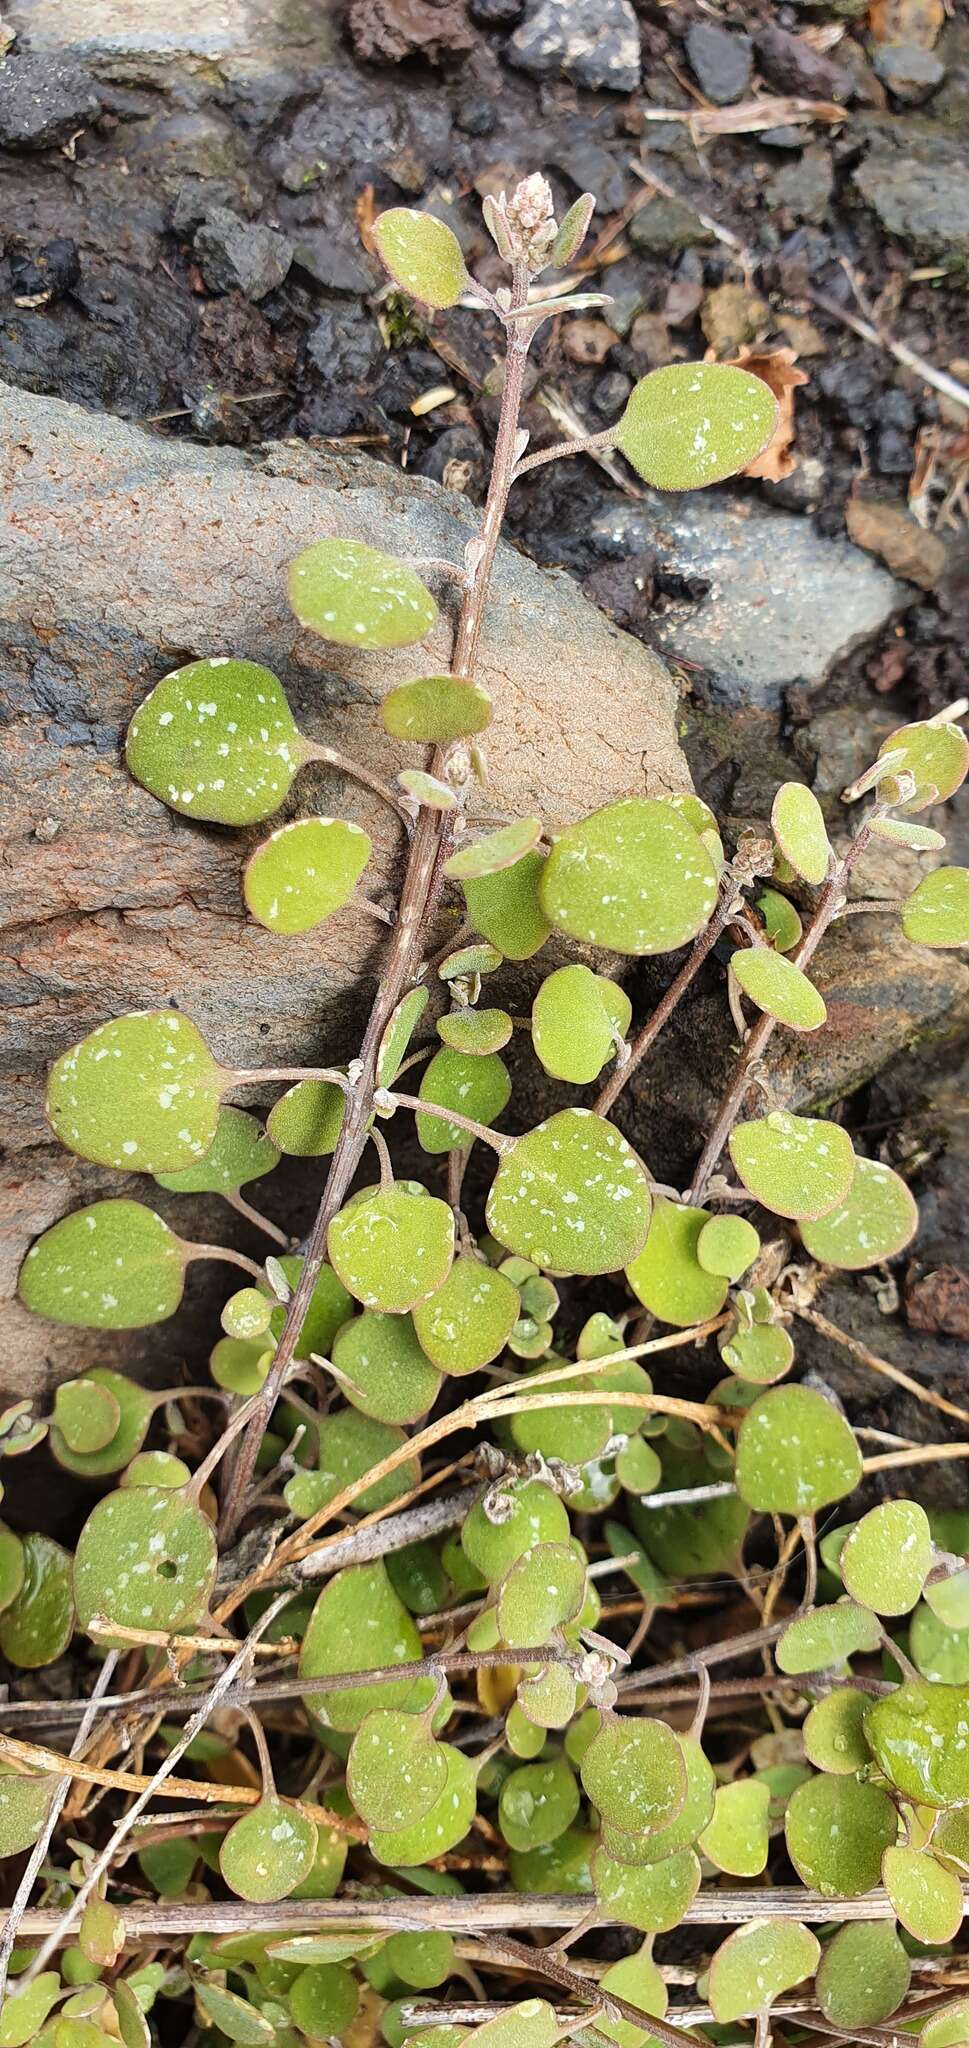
x,y
584,444
541,1962
940,380
390,1099
227,1256
204,1791
826,1328
259,1222
330,757
650,1031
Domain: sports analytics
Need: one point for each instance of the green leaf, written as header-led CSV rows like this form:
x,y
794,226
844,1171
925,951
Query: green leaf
x,y
937,912
537,1803
798,1166
335,1642
352,1444
428,790
531,1513
475,1031
863,1975
578,1020
442,1828
634,1774
692,424
469,962
680,1833
392,1247
703,1537
246,1314
888,1557
135,1409
38,1624
761,1355
834,1733
395,1771
476,1085
217,740
936,755
233,2016
572,232
757,1964
795,1453
736,1840
12,1566
877,1219
86,1414
156,1468
329,1306
653,1898
938,1651
919,1736
505,907
633,876
837,1831
530,2024
800,831
323,2001
572,1195
384,1371
240,1151
667,1276
926,1897
141,1092
541,1591
468,1322
268,1851
359,597
779,988
499,850
113,1266
306,1121
304,872
948,2028
905,832
146,1558
781,921
24,1806
24,2012
826,1637
433,710
726,1246
397,1035
422,254
563,1866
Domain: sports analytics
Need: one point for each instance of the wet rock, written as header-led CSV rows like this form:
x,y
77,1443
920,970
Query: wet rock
x,y
240,255
593,42
911,74
197,197
477,115
609,395
44,100
497,13
668,224
921,194
389,30
722,62
893,453
590,168
357,119
803,188
47,274
128,906
790,65
345,344
332,257
852,388
885,528
456,459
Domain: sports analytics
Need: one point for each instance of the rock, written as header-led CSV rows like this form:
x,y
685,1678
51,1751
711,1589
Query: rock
x,y
496,13
243,38
938,1301
390,30
852,388
345,344
124,554
590,168
885,528
790,65
668,224
359,119
47,273
921,196
731,316
594,42
803,187
722,62
911,74
330,251
44,101
241,255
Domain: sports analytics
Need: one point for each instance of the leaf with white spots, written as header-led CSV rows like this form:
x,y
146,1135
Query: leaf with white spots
x,y
355,595
304,872
135,1406
634,877
652,1898
757,1964
572,1195
579,1019
634,1773
667,1276
834,1734
306,1121
778,987
948,2027
468,1322
359,1624
141,1092
837,1830
499,850
24,1805
395,1771
268,1851
217,740
477,1085
37,1626
795,1453
825,1637
925,1895
422,254
798,1166
888,1557
761,1354
433,710
863,1975
392,1247
323,2001
542,1590
878,1219
145,1558
800,831
505,907
919,1737
736,1839
475,1031
239,1152
692,424
383,1370
113,1266
937,912
935,755
537,1803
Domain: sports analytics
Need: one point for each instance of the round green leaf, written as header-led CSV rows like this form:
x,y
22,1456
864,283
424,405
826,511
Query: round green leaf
x,y
948,2028
350,1445
826,1637
727,1245
778,987
323,2001
634,1773
477,1085
505,907
761,1355
24,2012
925,1895
795,1453
834,1733
247,1314
548,1699
634,877
781,922
800,831
800,1166
395,1771
936,755
434,710
146,1558
667,1276
692,424
239,1367
572,1195
442,1828
757,1964
86,1414
680,1833
24,1806
638,1468
919,1736
12,1566
530,2024
475,1031
940,1652
888,1557
877,1219
837,1831
578,1018
113,1266
156,1468
307,1120
541,1591
38,1624
863,1974
397,1035
537,1803
239,1152
359,597
468,1322
737,1837
468,963
217,740
422,254
501,849
135,1409
141,1092
304,872
530,1513
268,1851
383,1370
392,1247
937,912
652,1898
563,1866
359,1624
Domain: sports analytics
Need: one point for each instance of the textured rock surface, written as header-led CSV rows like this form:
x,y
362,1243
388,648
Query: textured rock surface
x,y
123,555
594,42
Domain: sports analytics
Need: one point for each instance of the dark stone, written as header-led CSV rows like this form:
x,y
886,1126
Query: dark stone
x,y
610,393
667,224
722,62
331,253
456,453
345,344
44,100
477,116
790,65
360,121
893,453
911,74
803,187
782,138
496,13
593,42
852,389
48,273
197,198
917,186
590,168
896,409
239,255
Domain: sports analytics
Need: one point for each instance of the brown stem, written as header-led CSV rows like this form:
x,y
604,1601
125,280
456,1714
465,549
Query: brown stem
x,y
330,757
879,1365
495,1139
228,1257
585,444
650,1031
256,1218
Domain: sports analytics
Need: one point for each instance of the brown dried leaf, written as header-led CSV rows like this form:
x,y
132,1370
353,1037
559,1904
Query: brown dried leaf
x,y
907,21
776,368
748,116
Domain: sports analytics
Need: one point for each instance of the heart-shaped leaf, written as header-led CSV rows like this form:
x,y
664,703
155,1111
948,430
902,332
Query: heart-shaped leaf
x,y
359,597
737,1837
937,912
935,755
433,710
135,1409
541,1591
395,1771
634,877
778,987
799,1166
468,1322
837,1831
335,1642
757,1964
397,1035
834,1733
141,1092
239,1152
863,1975
653,1898
506,908
727,1245
87,1414
572,1195
925,1895
578,1021
392,1247
499,850
475,1031
422,254
384,1371
888,1557
113,1266
304,872
826,1637
442,1828
919,1735
217,740
692,424
795,1453
268,1851
781,921
146,1558
667,1276
476,1085
762,1354
307,1120
38,1624
878,1218
800,831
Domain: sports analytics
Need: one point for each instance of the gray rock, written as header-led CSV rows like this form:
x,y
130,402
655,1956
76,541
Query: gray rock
x,y
668,224
722,62
241,255
922,197
124,554
910,73
345,344
44,100
594,42
790,65
803,187
590,168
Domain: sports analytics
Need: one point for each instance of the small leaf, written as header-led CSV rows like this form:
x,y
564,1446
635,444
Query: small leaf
x,y
905,832
778,987
467,1323
398,1032
476,1085
307,1120
540,1592
761,1355
736,1840
834,1733
878,1218
135,1409
359,597
239,1152
86,1414
501,849
475,1031
246,1314
113,1266
795,1453
233,2016
888,1557
217,740
392,1247
937,912
335,1642
939,1651
633,877
727,1245
653,1898
442,1828
433,710
634,1774
863,1975
757,1964
351,1445
384,1370
38,1624
826,1637
683,1830
24,2012
156,1468
573,229
919,1736
132,2024
145,1558
667,1276
800,831
468,962
692,424
268,1851
837,1831
796,1166
395,1771
935,755
577,1019
948,2028
12,1566
24,1806
781,921
428,790
422,254
926,1897
304,872
329,1307
141,1092
572,1195
505,907
323,2001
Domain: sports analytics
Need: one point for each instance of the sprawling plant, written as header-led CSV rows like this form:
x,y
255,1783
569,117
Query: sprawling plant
x,y
355,1834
